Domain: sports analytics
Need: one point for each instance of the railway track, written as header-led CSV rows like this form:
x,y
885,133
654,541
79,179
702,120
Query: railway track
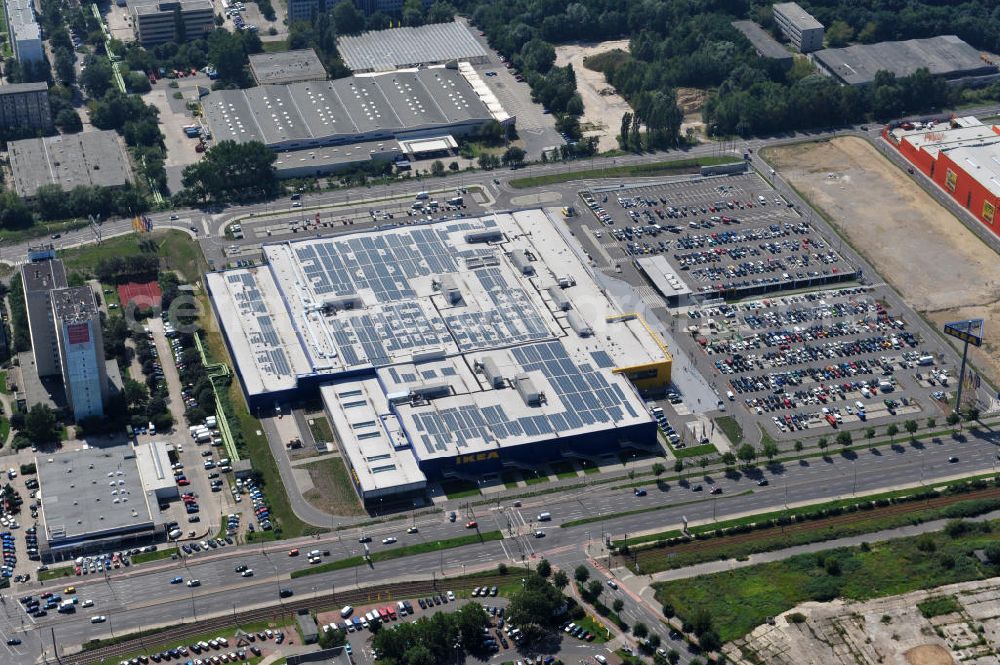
x,y
176,635
717,544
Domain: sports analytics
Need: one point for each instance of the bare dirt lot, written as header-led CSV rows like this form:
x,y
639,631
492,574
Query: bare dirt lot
x,y
939,267
602,107
885,631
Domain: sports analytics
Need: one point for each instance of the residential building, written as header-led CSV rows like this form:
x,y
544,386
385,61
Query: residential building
x,y
765,45
155,21
25,106
40,276
81,350
799,26
23,31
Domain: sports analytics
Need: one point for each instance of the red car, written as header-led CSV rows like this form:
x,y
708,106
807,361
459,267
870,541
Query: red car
x,y
183,481
293,552
471,524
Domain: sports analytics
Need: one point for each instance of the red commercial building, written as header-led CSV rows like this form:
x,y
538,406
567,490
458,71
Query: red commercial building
x,y
961,155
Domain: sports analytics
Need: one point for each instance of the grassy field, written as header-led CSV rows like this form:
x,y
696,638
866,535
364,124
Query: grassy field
x,y
275,47
332,490
564,469
3,383
320,428
703,450
459,489
176,249
739,600
399,552
731,429
532,477
164,552
593,625
228,633
631,171
55,573
4,430
589,467
509,479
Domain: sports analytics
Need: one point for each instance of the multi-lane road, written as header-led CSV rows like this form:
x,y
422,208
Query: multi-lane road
x,y
143,596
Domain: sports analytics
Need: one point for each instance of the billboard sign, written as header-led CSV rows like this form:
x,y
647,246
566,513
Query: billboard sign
x,y
969,331
78,333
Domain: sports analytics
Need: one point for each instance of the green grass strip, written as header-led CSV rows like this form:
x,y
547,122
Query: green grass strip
x,y
630,170
409,550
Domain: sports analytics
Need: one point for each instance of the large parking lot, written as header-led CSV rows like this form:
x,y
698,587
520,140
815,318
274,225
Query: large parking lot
x,y
827,359
777,320
730,237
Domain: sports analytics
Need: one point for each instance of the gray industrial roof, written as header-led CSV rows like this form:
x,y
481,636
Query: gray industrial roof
x,y
74,304
802,19
945,55
162,6
43,275
91,492
344,110
327,157
287,67
766,45
405,47
88,158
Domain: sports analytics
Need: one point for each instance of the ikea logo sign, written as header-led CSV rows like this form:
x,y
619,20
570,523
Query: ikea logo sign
x,y
478,457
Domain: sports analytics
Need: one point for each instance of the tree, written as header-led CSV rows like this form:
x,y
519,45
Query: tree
x,y
618,605
180,31
581,574
673,657
135,393
413,13
678,465
640,630
96,79
227,52
844,438
870,434
798,446
347,18
453,166
839,34
892,430
822,443
40,424
931,422
544,568
972,413
658,469
911,427
953,418
68,121
232,171
535,602
501,568
770,450
728,459
594,589
437,168
747,454
513,157
329,639
624,131
441,12
703,462
560,580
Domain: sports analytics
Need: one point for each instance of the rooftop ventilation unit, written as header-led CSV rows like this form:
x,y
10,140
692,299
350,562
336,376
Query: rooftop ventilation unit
x,y
491,371
527,390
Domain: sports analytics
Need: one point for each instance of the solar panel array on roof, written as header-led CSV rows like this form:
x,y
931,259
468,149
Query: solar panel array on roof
x,y
589,398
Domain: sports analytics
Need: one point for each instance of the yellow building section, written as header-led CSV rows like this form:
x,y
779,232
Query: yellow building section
x,y
653,375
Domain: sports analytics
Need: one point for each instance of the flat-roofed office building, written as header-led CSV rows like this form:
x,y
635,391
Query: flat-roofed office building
x,y
154,22
799,26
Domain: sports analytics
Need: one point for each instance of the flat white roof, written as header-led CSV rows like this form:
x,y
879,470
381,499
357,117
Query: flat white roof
x,y
663,276
154,466
372,439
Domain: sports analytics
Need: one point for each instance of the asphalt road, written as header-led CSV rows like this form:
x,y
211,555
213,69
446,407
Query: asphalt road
x,y
144,596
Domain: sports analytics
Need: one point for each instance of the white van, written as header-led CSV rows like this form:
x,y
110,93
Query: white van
x,y
544,517
346,611
152,429
175,534
421,196
601,659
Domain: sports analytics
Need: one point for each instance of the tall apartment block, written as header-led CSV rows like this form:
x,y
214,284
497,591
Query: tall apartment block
x,y
154,19
799,26
40,276
25,106
25,35
81,350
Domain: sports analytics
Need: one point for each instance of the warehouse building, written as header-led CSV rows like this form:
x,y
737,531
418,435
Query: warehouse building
x,y
448,349
286,67
93,500
23,31
961,155
153,461
438,101
25,106
946,56
333,159
88,158
399,48
799,26
155,21
765,45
